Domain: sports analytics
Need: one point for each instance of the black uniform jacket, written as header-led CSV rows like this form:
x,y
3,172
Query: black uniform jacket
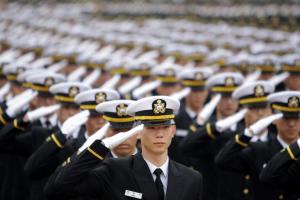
x,y
54,151
183,122
242,156
283,171
42,163
202,145
15,146
125,178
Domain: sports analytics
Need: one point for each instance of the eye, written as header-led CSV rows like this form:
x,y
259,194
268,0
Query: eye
x,y
150,127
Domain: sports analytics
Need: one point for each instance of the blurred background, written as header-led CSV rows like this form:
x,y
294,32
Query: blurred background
x,y
276,14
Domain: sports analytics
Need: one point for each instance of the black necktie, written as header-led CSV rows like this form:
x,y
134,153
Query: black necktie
x,y
159,185
48,124
258,140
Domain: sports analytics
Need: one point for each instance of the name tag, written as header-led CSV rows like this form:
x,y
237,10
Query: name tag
x,y
264,165
133,194
181,132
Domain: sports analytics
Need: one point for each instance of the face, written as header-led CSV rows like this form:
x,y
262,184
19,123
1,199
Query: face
x,y
69,69
44,101
155,140
122,81
67,111
288,129
126,148
145,80
227,69
168,90
256,113
266,76
103,78
227,106
16,89
94,123
3,81
196,99
293,82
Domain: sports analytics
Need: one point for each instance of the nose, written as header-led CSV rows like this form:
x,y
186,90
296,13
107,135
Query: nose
x,y
260,112
228,101
159,133
291,122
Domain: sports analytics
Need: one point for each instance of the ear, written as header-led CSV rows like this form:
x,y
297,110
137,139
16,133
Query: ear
x,y
276,122
138,136
173,130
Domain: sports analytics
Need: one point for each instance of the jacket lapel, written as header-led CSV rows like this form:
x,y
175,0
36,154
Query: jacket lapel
x,y
81,137
175,185
275,147
144,178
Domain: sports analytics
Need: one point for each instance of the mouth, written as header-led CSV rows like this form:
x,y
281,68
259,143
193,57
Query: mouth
x,y
159,143
291,130
123,146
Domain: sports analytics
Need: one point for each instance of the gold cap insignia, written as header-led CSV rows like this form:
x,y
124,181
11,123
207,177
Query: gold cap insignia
x,y
100,97
229,81
293,102
121,109
159,106
49,81
221,61
170,72
259,91
198,76
73,91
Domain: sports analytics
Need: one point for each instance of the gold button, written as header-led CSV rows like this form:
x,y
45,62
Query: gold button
x,y
280,196
193,128
247,177
246,191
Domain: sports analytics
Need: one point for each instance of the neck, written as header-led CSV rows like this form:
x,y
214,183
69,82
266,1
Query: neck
x,y
61,121
156,159
124,155
194,109
220,116
287,140
89,134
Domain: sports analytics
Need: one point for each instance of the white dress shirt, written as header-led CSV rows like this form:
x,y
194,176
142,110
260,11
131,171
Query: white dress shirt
x,y
263,137
115,156
73,135
163,176
52,119
190,112
283,143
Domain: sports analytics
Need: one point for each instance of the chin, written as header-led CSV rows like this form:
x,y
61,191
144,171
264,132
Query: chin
x,y
122,153
292,136
228,113
159,151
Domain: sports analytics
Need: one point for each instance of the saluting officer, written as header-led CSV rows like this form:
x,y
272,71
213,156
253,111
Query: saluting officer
x,y
242,156
149,175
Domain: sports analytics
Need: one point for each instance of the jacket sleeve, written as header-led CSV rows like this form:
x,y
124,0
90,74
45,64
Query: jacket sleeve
x,y
13,133
200,187
283,170
43,162
236,154
200,139
75,175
